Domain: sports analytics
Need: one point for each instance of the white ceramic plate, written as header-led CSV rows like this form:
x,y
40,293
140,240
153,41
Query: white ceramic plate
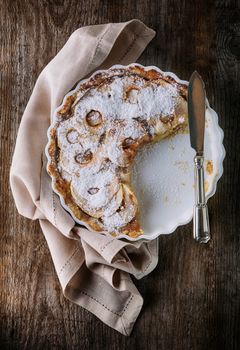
x,y
163,176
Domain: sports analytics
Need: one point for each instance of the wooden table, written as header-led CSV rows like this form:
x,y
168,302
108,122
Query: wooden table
x,y
192,299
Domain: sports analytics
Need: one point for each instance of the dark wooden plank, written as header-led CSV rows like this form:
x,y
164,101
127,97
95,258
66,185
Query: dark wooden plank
x,y
192,298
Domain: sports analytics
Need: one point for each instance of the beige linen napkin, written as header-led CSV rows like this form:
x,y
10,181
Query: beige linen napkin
x,y
93,269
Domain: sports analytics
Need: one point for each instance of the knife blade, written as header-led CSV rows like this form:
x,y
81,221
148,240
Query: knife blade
x,y
196,118
196,112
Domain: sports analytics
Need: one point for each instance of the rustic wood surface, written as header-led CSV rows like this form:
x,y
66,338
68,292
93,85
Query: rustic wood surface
x,y
192,299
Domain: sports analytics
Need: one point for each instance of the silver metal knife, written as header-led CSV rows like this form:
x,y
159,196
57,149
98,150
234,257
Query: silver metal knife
x,y
196,118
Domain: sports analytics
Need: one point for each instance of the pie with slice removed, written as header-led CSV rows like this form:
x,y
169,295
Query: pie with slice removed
x,y
96,134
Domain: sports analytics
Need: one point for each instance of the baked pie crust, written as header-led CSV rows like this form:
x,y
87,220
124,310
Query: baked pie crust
x,y
95,135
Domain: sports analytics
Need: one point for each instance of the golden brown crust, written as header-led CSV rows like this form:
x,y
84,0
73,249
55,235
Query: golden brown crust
x,y
99,80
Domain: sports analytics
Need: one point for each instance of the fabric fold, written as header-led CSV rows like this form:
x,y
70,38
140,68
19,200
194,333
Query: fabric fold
x,y
93,269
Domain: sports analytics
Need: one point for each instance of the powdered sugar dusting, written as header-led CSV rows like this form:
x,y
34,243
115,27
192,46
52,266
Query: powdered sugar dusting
x,y
106,184
151,100
119,219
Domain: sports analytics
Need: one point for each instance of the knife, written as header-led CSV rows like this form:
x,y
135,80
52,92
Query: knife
x,y
196,118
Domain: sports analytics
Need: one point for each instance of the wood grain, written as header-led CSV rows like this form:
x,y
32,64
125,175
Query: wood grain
x,y
192,298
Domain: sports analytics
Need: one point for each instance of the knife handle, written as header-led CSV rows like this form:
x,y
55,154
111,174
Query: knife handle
x,y
201,227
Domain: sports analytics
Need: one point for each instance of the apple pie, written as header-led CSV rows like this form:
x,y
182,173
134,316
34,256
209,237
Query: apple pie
x,y
96,134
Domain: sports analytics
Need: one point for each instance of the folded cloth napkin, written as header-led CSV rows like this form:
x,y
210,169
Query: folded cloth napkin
x,y
93,269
